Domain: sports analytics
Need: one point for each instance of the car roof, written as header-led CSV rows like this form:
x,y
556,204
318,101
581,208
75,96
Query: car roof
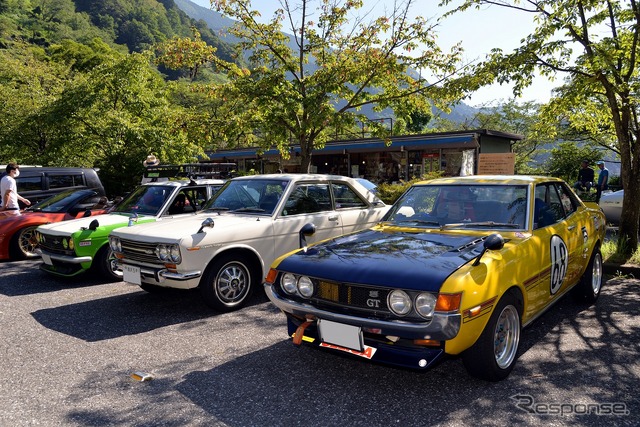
x,y
183,182
297,177
492,179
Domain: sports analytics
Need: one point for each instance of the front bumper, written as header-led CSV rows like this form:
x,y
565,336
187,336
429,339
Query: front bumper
x,y
442,327
64,265
161,276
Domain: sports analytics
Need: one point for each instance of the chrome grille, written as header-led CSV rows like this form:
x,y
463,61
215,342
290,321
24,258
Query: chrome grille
x,y
140,251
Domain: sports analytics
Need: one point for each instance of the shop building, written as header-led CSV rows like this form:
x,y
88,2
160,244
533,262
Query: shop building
x,y
399,158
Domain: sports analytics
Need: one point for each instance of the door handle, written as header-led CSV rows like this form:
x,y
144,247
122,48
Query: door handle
x,y
333,218
571,227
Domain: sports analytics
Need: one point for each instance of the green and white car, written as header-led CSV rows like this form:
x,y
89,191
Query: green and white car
x,y
82,244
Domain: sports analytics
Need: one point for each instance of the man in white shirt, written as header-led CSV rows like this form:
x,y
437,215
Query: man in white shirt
x,y
9,191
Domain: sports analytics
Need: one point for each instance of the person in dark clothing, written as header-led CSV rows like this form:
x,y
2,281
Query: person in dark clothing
x,y
585,177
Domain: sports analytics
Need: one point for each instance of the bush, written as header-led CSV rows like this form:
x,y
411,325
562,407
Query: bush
x,y
389,193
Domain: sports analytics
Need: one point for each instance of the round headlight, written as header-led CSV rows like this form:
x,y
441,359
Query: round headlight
x,y
289,283
114,243
65,243
305,286
426,304
174,254
71,244
162,252
399,302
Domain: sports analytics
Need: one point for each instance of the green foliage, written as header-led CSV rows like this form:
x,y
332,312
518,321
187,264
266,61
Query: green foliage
x,y
389,193
566,158
334,55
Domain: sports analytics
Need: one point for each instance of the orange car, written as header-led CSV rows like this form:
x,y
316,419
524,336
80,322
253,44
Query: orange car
x,y
16,231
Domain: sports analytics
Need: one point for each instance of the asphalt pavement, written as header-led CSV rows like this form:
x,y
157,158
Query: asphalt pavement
x,y
69,349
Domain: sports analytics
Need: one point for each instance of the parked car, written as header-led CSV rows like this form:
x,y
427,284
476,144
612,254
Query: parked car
x,y
74,247
17,240
226,249
457,267
39,183
611,204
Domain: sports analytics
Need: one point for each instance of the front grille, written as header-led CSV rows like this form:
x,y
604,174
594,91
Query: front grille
x,y
55,244
363,297
140,251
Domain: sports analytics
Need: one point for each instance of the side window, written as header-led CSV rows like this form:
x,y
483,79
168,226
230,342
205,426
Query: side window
x,y
308,198
64,181
29,183
345,197
548,208
567,199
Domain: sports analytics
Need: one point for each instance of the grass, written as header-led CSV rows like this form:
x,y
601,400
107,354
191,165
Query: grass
x,y
610,253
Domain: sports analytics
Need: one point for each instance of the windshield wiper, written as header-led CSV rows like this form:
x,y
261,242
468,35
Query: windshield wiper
x,y
249,210
481,224
219,208
417,221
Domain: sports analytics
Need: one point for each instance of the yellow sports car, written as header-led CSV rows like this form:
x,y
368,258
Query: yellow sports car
x,y
456,267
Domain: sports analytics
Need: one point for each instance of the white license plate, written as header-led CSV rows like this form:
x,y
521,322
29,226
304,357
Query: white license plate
x,y
46,259
131,274
340,334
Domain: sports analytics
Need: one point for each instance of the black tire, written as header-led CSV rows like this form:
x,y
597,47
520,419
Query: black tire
x,y
105,264
23,243
588,290
494,354
228,283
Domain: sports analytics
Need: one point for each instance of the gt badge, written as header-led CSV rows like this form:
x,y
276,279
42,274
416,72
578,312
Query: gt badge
x,y
559,262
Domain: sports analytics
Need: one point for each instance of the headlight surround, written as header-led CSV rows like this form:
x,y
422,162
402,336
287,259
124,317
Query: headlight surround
x,y
289,283
114,243
425,304
162,252
399,302
174,254
305,286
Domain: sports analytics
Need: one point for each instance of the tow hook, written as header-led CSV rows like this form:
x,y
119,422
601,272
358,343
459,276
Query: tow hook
x,y
297,339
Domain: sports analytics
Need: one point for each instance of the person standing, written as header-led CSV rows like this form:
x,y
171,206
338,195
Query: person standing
x,y
603,180
585,177
9,191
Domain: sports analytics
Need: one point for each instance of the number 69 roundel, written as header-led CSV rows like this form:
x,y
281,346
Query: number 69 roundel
x,y
559,261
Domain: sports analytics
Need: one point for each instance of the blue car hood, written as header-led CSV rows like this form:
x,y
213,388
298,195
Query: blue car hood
x,y
420,261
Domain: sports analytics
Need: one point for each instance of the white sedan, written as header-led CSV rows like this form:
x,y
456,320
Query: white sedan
x,y
226,249
611,204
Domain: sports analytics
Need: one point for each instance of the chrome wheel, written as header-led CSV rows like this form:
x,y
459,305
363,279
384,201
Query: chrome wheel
x,y
506,337
596,274
232,283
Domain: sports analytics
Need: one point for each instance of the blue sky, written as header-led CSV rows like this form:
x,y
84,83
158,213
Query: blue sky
x,y
478,30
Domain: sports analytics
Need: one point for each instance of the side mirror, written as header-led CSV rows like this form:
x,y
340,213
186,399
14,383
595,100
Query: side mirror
x,y
493,242
207,223
86,213
307,230
93,225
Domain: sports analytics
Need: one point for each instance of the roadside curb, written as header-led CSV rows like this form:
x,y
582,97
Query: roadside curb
x,y
621,269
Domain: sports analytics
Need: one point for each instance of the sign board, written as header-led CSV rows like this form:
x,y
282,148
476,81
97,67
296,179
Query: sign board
x,y
496,163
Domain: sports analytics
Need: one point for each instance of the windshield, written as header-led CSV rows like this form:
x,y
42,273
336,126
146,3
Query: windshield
x,y
59,202
260,196
464,206
145,200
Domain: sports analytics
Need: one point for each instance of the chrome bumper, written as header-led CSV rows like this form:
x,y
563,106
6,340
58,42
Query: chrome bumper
x,y
66,258
442,326
161,274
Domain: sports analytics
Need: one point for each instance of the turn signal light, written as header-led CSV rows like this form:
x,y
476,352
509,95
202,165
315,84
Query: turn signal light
x,y
271,276
448,302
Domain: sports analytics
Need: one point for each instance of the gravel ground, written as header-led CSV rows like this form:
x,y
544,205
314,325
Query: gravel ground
x,y
68,349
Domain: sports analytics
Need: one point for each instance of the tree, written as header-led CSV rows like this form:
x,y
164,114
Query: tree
x,y
332,65
595,44
185,52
